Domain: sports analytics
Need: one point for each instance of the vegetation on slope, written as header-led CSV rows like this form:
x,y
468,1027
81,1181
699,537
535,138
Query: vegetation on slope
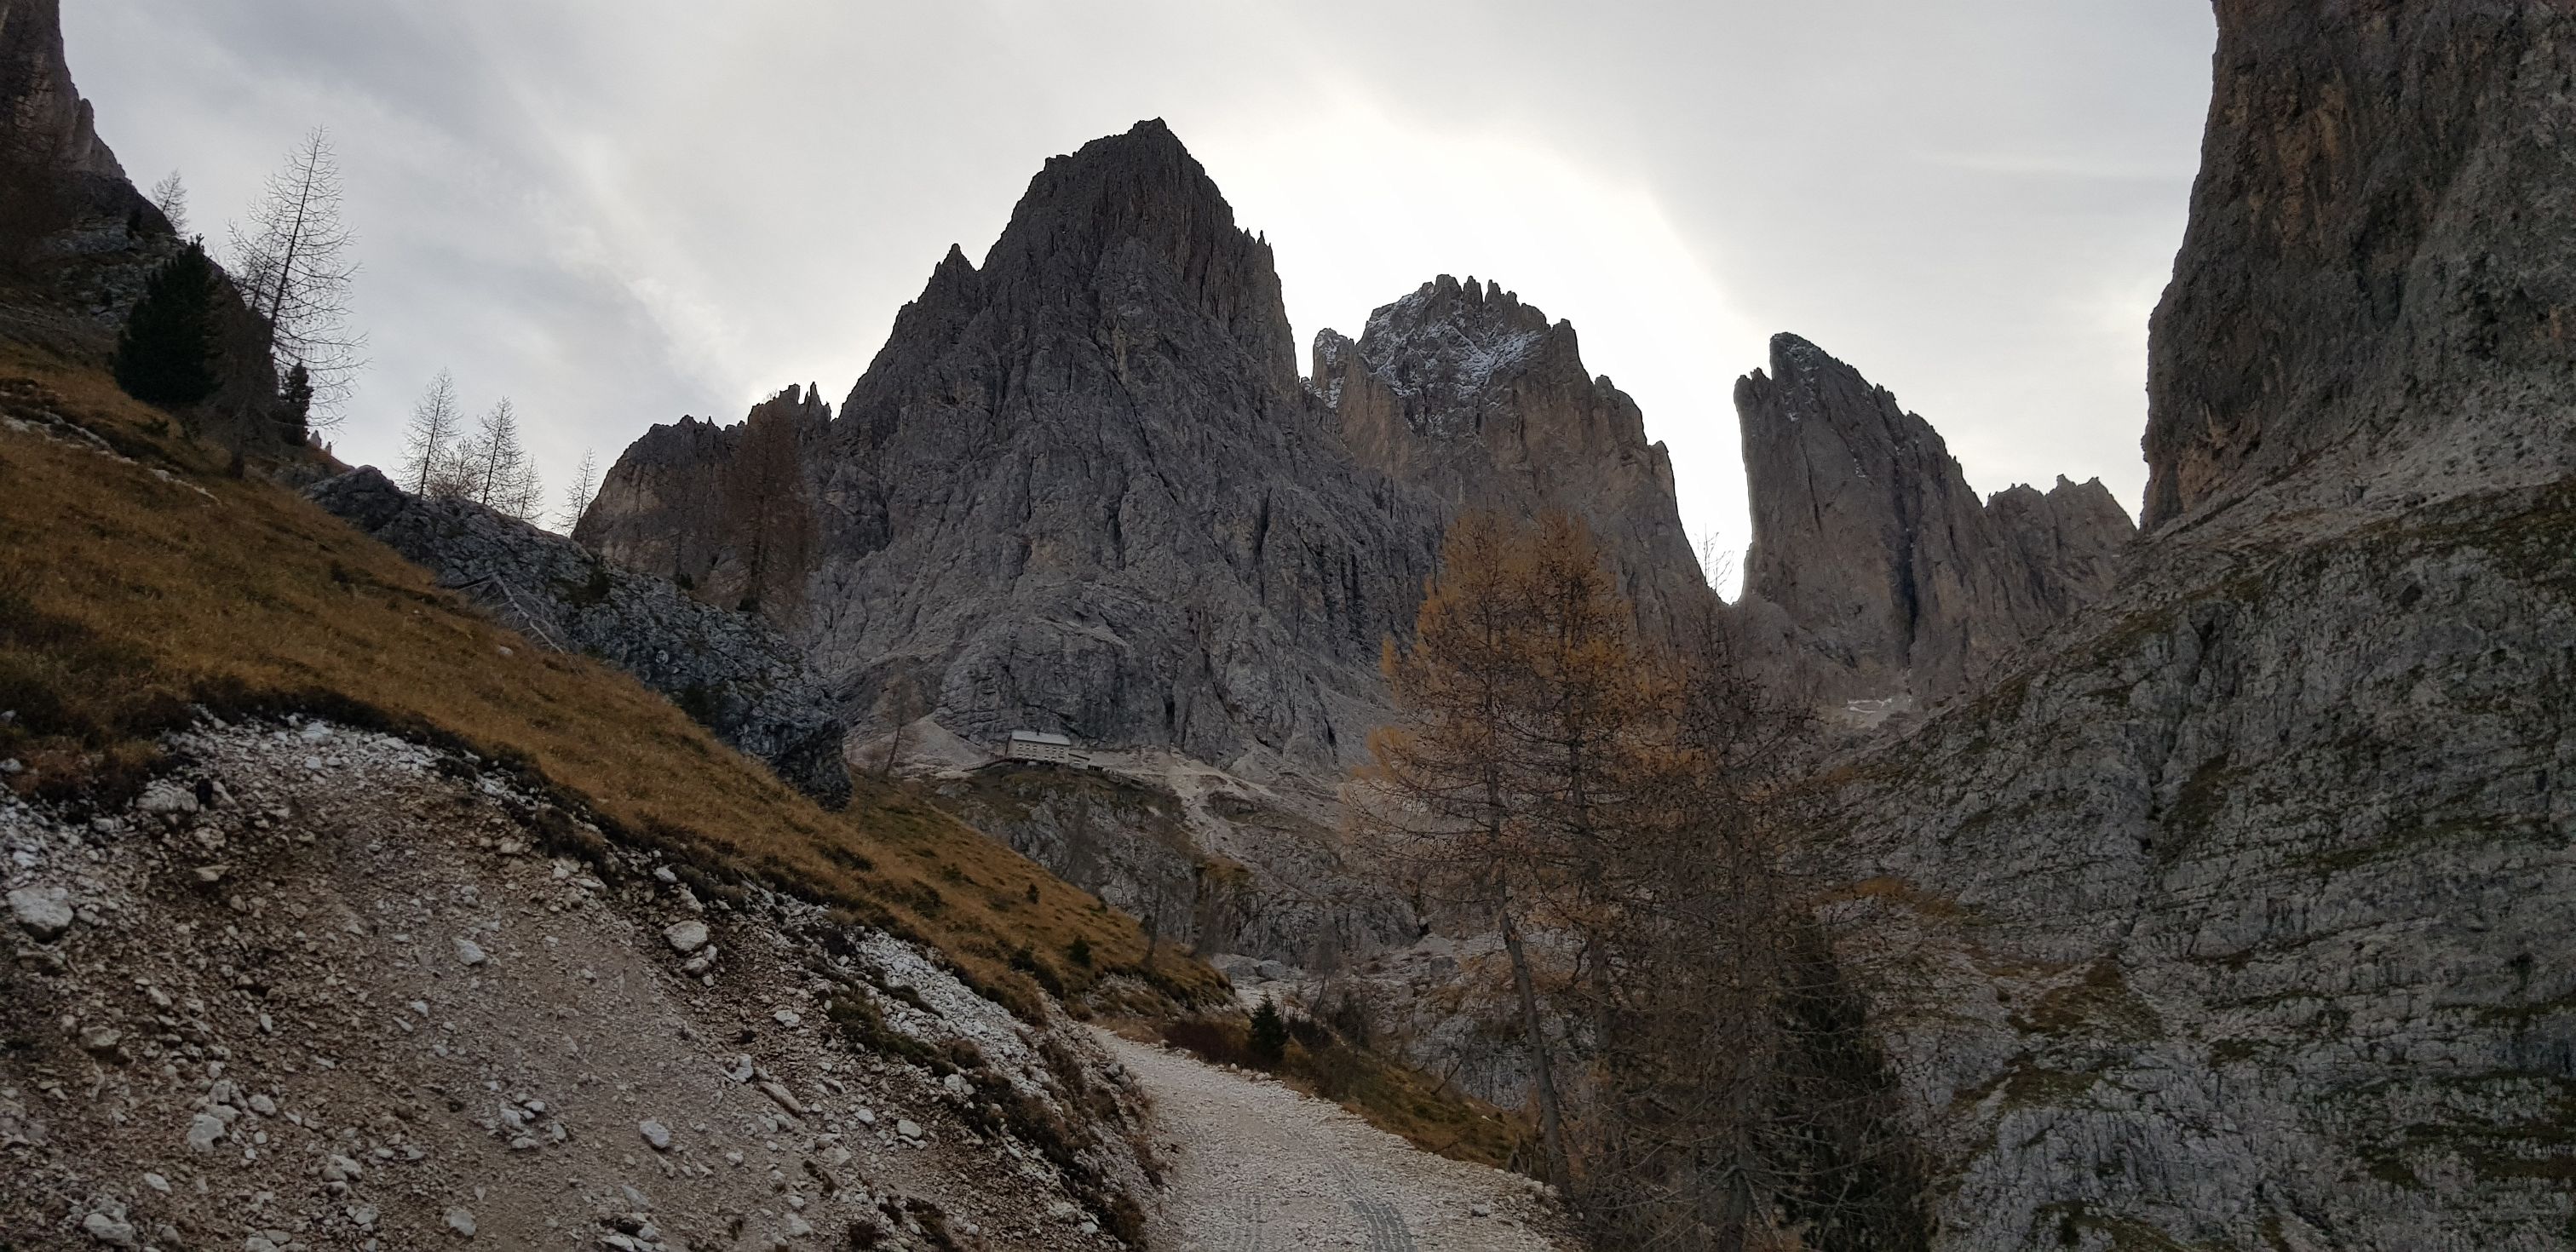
x,y
140,580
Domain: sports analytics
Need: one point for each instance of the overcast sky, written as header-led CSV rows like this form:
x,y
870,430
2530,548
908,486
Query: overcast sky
x,y
618,211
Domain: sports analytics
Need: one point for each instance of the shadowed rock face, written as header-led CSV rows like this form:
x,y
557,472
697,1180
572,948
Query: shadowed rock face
x,y
661,507
1082,488
2382,254
1874,570
46,121
1476,398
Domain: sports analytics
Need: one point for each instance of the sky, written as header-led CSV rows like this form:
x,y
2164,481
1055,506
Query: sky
x,y
615,212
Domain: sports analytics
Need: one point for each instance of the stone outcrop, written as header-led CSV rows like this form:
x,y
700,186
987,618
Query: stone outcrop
x,y
1479,400
1082,488
2381,260
2235,913
661,509
729,671
46,121
1875,573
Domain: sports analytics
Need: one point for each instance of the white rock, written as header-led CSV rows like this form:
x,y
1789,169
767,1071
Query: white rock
x,y
114,1231
663,873
316,732
166,797
45,912
655,1133
204,1131
740,1070
1479,1210
907,1128
263,1106
1087,1228
798,1227
687,936
157,1183
787,1017
461,1220
469,952
867,1117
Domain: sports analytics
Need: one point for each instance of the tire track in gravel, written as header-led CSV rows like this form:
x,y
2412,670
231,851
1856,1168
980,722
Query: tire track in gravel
x,y
1252,1166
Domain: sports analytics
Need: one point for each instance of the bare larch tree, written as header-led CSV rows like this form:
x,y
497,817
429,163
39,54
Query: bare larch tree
x,y
293,262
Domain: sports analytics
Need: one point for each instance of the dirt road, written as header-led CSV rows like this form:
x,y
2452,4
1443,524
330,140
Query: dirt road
x,y
1261,1168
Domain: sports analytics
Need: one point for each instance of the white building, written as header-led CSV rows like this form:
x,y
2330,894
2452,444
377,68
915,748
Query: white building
x,y
1038,745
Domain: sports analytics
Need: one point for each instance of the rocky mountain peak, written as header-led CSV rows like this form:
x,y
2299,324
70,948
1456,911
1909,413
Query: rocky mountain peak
x,y
1465,391
2377,261
1875,572
46,121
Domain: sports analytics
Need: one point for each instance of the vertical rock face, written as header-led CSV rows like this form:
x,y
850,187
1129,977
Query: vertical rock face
x,y
1875,572
1476,398
2381,256
45,118
660,509
2243,905
1082,488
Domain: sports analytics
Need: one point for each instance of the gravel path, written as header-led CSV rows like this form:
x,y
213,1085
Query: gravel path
x,y
1252,1166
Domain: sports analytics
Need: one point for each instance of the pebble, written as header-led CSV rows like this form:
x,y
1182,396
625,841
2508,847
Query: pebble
x,y
157,1183
740,1070
663,874
45,912
866,1116
655,1133
686,936
907,1128
461,1220
469,952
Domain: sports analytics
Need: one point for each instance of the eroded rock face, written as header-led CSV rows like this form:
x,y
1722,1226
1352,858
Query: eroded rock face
x,y
1875,572
2241,907
729,671
1083,489
2247,916
2381,257
46,120
661,507
1476,398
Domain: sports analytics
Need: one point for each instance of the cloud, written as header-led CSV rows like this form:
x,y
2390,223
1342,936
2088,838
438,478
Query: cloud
x,y
616,213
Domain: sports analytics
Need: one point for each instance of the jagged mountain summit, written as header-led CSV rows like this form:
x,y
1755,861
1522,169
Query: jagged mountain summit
x,y
1479,400
1875,572
1083,488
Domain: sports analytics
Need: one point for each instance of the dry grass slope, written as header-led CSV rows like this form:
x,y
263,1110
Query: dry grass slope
x,y
135,585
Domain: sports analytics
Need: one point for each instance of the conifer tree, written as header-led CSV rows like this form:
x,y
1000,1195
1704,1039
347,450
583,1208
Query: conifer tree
x,y
170,352
293,264
295,405
585,484
436,424
494,470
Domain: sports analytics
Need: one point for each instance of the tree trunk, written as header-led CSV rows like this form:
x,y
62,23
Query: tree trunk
x,y
1551,1116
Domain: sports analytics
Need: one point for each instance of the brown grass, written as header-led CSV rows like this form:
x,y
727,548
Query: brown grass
x,y
132,589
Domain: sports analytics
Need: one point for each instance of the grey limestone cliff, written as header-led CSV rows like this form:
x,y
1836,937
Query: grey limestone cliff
x,y
1479,400
2381,259
2240,912
1082,488
1875,572
728,670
